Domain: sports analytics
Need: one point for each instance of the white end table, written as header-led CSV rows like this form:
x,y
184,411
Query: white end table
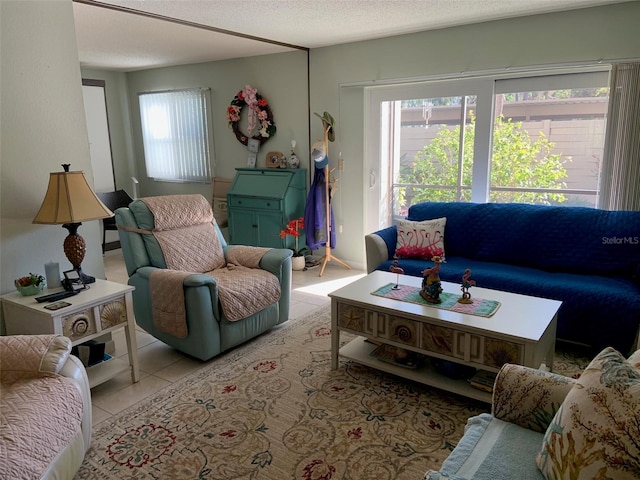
x,y
105,307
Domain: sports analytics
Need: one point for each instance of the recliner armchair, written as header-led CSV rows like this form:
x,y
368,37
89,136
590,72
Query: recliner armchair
x,y
209,331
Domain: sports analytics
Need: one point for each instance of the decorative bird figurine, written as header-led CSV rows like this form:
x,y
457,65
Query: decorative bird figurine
x,y
395,268
467,283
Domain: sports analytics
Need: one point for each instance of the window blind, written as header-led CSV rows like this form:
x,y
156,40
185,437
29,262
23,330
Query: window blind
x,y
176,134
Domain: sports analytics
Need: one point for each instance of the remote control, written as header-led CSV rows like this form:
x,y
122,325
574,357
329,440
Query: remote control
x,y
53,297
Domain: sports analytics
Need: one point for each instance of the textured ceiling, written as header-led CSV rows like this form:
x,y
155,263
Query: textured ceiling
x,y
112,34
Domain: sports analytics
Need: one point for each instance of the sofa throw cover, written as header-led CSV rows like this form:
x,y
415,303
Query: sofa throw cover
x,y
184,228
41,410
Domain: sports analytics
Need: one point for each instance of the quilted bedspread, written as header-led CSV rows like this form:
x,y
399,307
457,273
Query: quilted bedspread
x,y
40,411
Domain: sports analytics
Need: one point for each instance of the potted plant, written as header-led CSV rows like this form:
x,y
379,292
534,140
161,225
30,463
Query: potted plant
x,y
30,284
293,228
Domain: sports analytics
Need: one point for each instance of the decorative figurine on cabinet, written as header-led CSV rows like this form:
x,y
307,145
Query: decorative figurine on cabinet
x,y
467,283
431,286
294,162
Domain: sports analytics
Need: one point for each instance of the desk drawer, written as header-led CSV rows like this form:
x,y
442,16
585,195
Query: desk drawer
x,y
113,313
255,203
79,324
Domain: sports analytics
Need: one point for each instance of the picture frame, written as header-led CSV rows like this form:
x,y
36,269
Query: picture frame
x,y
274,159
72,281
253,145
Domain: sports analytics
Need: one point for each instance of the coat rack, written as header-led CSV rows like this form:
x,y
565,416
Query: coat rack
x,y
327,257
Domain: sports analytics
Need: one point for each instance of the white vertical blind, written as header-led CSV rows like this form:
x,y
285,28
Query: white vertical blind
x,y
176,134
620,180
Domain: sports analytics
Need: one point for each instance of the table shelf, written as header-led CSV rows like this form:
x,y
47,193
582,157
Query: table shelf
x,y
359,350
105,370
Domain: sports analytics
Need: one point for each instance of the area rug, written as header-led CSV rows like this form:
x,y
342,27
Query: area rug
x,y
274,409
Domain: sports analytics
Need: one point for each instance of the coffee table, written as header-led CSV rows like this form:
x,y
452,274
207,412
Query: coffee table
x,y
521,331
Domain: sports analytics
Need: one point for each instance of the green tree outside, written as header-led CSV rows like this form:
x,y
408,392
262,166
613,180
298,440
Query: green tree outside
x,y
517,162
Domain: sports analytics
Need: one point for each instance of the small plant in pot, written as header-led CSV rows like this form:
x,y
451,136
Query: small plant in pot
x,y
30,284
293,228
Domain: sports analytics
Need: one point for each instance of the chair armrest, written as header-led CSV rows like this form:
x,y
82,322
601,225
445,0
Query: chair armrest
x,y
528,397
275,260
192,280
32,355
380,247
74,369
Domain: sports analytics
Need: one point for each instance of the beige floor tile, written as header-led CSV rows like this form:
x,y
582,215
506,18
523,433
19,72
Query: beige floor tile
x,y
300,309
180,369
98,415
114,385
130,395
156,356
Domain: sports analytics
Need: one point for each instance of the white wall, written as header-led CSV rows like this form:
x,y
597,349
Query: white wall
x,y
117,97
585,35
42,126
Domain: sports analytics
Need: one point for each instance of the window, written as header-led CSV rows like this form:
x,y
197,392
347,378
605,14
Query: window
x,y
537,139
176,135
548,139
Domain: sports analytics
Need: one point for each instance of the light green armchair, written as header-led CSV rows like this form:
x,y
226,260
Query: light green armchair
x,y
209,330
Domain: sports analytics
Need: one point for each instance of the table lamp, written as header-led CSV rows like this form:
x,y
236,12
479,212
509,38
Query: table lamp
x,y
68,202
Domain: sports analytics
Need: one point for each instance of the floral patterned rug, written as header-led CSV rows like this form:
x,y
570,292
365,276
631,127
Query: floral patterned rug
x,y
274,409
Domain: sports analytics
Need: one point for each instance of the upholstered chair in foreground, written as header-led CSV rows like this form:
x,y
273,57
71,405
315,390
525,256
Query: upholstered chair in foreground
x,y
46,408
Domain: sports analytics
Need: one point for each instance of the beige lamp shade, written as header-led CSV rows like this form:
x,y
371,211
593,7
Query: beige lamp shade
x,y
70,199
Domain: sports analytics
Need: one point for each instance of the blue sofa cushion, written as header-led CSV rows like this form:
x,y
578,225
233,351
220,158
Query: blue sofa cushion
x,y
557,239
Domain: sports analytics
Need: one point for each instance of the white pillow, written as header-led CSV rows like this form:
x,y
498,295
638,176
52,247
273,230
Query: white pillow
x,y
422,240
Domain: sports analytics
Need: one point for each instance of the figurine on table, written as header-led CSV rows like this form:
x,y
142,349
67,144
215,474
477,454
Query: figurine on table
x,y
467,283
398,270
431,286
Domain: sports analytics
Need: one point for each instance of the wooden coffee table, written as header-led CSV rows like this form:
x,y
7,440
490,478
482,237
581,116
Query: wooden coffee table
x,y
521,331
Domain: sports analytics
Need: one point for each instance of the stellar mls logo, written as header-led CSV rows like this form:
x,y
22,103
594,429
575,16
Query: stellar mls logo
x,y
620,240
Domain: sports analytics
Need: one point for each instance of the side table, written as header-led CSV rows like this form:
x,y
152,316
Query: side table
x,y
104,307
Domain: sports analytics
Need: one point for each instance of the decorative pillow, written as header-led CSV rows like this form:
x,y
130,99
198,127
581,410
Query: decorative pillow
x,y
422,240
595,433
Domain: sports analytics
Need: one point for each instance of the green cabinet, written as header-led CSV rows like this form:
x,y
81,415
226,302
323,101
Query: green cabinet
x,y
261,201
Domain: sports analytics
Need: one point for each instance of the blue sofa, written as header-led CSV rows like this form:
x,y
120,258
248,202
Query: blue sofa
x,y
587,258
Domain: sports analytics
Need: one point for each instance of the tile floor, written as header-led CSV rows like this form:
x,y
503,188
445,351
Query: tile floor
x,y
160,365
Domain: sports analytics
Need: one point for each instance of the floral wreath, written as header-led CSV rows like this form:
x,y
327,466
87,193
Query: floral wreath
x,y
259,113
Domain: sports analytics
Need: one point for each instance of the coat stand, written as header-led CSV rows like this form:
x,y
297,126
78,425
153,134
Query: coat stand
x,y
327,257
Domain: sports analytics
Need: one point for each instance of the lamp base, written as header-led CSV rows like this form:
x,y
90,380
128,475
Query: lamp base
x,y
75,248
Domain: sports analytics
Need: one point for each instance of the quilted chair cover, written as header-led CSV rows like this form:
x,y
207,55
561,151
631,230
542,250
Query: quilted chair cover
x,y
209,332
45,405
